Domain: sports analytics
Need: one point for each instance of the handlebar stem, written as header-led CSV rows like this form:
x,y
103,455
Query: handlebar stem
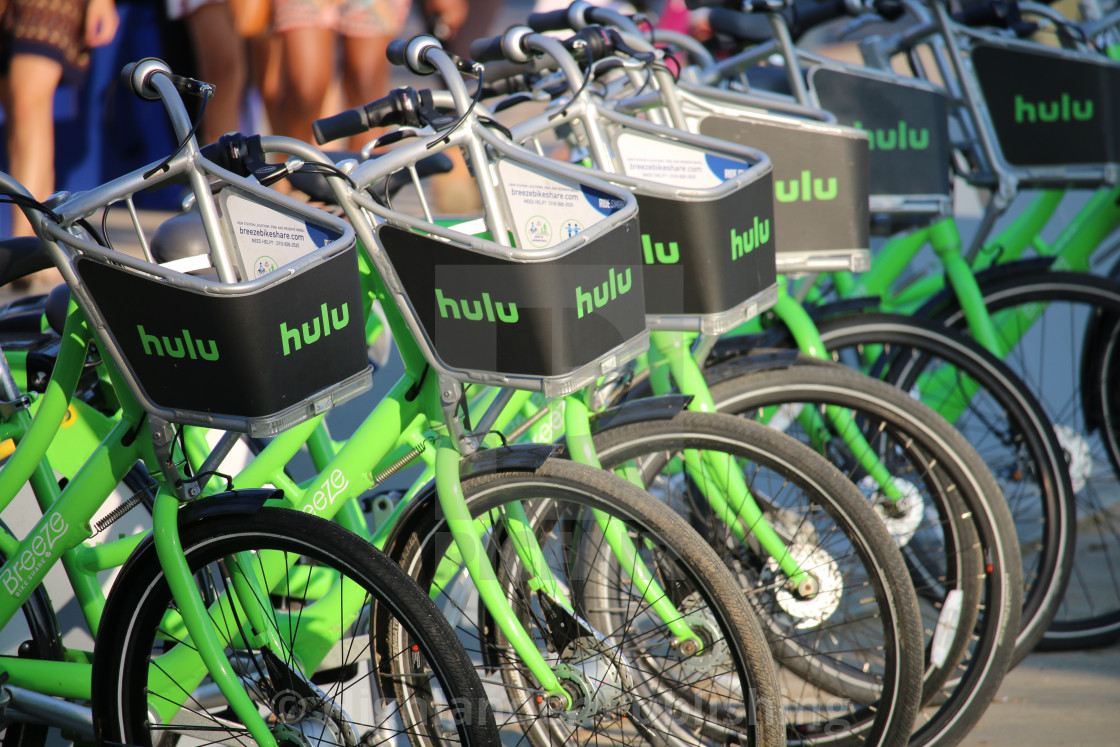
x,y
495,217
180,122
596,140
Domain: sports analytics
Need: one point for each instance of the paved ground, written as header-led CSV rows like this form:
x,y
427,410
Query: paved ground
x,y
1056,698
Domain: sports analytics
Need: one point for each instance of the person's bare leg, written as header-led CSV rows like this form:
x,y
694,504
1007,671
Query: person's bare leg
x,y
307,65
365,74
264,67
29,103
32,83
220,59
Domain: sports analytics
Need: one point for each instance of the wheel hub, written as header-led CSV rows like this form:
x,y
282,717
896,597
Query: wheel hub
x,y
715,656
814,602
903,516
599,680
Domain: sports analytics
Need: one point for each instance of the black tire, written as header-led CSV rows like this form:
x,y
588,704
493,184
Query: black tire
x,y
849,655
350,692
952,480
1070,316
1002,421
726,694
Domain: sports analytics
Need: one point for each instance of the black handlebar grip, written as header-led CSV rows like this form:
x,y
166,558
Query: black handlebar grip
x,y
552,20
754,29
889,10
729,4
810,13
344,124
488,49
397,51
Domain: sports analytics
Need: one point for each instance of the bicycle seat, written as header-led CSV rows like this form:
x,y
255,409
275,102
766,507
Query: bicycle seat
x,y
315,185
20,257
179,237
58,300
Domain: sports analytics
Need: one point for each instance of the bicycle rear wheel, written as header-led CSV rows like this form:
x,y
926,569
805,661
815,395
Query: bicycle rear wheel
x,y
849,651
632,680
1001,420
944,476
348,695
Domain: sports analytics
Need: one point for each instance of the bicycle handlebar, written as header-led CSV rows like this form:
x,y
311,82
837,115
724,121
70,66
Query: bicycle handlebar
x,y
555,20
400,107
520,44
579,15
800,15
1002,14
136,76
742,6
503,77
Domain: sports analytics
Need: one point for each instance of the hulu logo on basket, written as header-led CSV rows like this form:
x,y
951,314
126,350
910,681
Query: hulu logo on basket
x,y
745,242
312,331
476,311
183,346
1064,109
655,252
806,189
902,137
616,284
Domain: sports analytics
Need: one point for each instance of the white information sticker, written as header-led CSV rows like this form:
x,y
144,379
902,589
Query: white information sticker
x,y
266,238
647,157
548,209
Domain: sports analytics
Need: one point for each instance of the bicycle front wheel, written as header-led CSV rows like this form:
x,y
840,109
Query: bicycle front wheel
x,y
1058,331
322,591
849,649
631,678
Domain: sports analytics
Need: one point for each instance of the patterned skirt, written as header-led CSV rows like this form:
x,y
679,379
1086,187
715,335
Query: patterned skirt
x,y
50,28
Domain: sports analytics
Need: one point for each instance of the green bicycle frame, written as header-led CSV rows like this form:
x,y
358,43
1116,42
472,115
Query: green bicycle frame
x,y
61,533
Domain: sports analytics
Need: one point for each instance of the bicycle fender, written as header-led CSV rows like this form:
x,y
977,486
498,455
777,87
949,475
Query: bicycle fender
x,y
843,307
648,408
751,360
228,503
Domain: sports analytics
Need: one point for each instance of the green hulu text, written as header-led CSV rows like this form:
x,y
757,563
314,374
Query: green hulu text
x,y
745,242
336,319
655,252
805,189
178,346
476,310
1064,109
902,137
616,284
